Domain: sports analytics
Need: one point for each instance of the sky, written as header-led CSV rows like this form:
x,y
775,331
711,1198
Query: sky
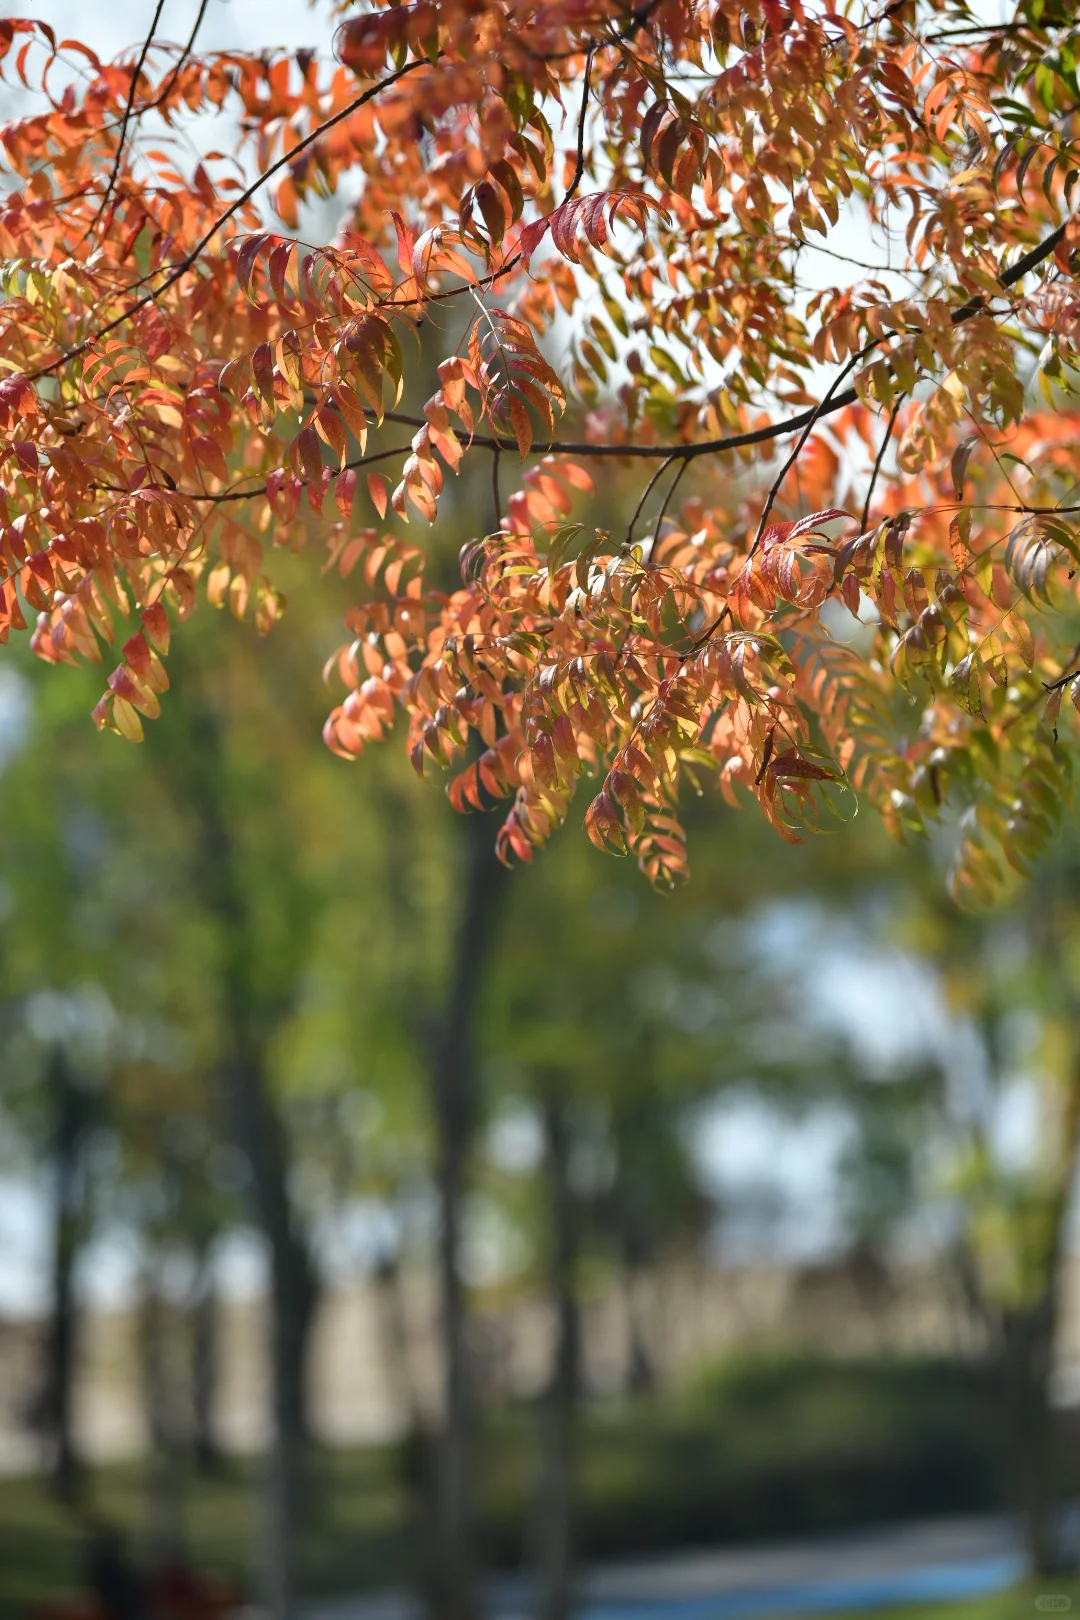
x,y
251,24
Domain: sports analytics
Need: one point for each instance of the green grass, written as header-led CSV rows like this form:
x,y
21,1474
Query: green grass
x,y
42,1542
355,1537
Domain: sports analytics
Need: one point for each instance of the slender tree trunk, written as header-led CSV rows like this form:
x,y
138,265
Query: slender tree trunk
x,y
204,1362
640,1374
414,1452
293,1296
256,1129
452,1527
1028,1335
292,1305
452,1572
394,1325
62,1342
556,1504
163,1499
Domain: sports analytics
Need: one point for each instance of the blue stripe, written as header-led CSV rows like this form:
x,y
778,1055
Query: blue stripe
x,y
934,1583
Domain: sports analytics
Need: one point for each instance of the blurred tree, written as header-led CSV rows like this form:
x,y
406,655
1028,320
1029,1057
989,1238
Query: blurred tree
x,y
254,1003
1011,1103
204,982
68,928
556,1503
69,1219
454,1103
585,1045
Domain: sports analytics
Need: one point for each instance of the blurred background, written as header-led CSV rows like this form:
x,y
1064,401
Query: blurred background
x,y
372,1218
375,1221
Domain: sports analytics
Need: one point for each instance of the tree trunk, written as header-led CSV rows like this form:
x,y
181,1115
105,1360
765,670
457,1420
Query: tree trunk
x,y
163,1498
556,1505
640,1374
1028,1335
394,1326
295,1296
250,1016
62,1341
452,1574
414,1451
257,1130
204,1363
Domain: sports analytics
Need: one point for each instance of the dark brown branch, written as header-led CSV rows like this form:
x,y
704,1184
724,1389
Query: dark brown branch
x,y
668,498
646,492
515,258
686,452
706,634
1003,28
1008,278
580,169
815,415
1062,680
878,459
133,86
226,496
163,95
763,435
974,306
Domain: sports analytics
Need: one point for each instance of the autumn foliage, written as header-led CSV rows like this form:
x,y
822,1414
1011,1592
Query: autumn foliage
x,y
851,570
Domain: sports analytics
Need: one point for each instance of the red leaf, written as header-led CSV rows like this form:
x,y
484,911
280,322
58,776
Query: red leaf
x,y
245,260
378,492
156,624
344,490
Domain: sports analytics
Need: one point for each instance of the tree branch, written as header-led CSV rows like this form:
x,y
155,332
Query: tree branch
x,y
226,496
515,258
878,459
1063,680
188,264
668,498
147,42
580,169
162,95
763,435
818,411
646,492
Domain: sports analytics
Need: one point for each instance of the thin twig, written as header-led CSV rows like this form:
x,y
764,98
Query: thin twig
x,y
163,95
136,75
977,28
667,501
1070,674
495,495
707,634
582,113
818,411
515,258
646,492
259,489
878,459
